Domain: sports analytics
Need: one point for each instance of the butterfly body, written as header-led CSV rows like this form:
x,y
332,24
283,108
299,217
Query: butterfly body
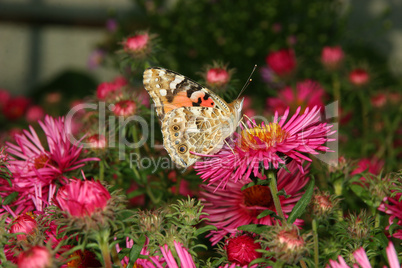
x,y
193,118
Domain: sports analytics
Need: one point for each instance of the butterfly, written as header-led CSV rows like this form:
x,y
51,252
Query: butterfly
x,y
193,118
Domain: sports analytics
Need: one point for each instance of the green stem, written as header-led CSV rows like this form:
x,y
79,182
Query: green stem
x,y
116,259
365,121
101,171
336,86
338,187
274,192
102,240
315,237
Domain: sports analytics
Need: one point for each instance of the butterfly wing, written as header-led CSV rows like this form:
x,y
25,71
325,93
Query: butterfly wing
x,y
193,118
194,129
170,90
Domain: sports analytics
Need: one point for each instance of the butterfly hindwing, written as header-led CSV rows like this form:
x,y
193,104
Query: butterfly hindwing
x,y
194,129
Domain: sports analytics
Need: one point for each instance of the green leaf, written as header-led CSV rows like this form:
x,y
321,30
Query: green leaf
x,y
247,186
300,207
265,213
10,198
254,228
204,229
283,192
135,250
383,239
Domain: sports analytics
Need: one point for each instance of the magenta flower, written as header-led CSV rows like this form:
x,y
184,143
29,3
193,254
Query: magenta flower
x,y
332,57
16,107
82,198
166,260
282,62
124,108
35,257
109,90
34,114
361,259
34,165
185,258
393,207
23,224
270,144
359,77
136,43
231,207
308,93
372,165
241,250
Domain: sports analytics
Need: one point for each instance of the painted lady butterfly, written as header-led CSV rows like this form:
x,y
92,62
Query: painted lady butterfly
x,y
193,118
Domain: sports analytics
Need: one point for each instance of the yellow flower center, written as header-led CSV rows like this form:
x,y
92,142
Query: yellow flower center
x,y
262,137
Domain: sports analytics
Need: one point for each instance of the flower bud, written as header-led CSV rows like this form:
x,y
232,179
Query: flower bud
x,y
282,62
138,45
97,141
286,243
34,113
323,204
379,100
23,224
15,108
359,77
35,257
241,250
332,57
217,77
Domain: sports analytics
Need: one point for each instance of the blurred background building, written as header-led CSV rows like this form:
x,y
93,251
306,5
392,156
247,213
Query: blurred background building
x,y
40,39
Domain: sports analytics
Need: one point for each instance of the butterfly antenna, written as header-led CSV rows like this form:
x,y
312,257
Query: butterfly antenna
x,y
248,81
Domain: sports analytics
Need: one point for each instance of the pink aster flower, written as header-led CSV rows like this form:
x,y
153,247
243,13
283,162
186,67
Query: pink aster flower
x,y
16,107
108,90
124,108
33,165
82,198
162,258
372,165
185,258
34,114
231,207
308,93
393,207
269,144
363,261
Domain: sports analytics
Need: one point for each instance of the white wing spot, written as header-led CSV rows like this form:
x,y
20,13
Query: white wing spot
x,y
158,86
178,79
156,79
162,92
